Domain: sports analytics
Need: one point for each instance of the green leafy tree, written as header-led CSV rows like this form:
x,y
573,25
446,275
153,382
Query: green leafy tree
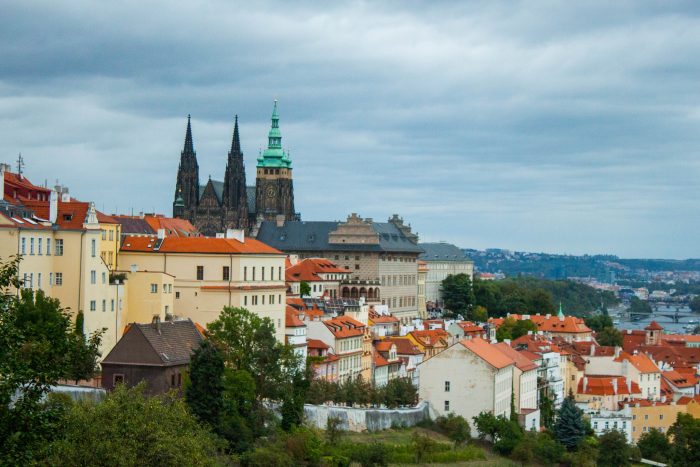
x,y
458,294
639,307
598,322
304,289
540,301
685,448
400,392
547,412
569,428
522,327
130,429
334,430
695,304
479,314
454,427
609,336
613,450
504,433
204,393
38,347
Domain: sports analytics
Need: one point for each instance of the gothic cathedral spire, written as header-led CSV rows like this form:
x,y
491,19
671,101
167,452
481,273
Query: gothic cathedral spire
x,y
187,186
235,197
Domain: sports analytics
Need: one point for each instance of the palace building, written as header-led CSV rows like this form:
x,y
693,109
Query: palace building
x,y
230,204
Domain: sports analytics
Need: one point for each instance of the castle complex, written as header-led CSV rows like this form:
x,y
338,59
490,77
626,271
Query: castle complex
x,y
231,204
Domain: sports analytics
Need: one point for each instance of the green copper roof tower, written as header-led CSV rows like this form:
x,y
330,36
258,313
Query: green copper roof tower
x,y
560,315
274,156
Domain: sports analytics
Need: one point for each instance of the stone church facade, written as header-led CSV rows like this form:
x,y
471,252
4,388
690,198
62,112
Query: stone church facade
x,y
230,204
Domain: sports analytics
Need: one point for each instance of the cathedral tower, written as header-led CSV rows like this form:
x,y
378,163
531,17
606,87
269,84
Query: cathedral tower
x,y
274,192
187,186
234,197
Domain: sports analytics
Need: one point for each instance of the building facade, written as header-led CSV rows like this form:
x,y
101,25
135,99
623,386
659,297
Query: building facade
x,y
443,259
230,204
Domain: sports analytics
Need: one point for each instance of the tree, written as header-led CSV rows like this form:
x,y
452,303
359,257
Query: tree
x,y
598,322
479,314
609,336
130,429
512,328
304,289
685,449
546,407
504,433
613,450
204,393
569,428
454,427
654,445
695,304
458,294
38,346
334,430
639,307
400,392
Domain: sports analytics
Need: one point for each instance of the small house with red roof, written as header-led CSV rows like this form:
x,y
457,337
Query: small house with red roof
x,y
323,361
606,392
321,275
344,335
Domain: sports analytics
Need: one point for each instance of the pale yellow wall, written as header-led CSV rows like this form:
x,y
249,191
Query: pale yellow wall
x,y
192,300
660,417
109,246
142,303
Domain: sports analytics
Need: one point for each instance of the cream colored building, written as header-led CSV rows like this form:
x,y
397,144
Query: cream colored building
x,y
423,271
443,259
212,273
345,336
470,377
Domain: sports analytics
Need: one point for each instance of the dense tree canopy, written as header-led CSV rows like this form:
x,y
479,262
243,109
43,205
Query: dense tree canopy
x,y
613,450
458,294
639,307
512,328
685,449
569,428
654,445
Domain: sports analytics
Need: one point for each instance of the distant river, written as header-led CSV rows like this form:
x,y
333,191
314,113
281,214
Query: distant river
x,y
667,323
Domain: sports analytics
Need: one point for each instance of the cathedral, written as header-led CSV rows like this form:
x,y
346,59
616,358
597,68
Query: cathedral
x,y
231,204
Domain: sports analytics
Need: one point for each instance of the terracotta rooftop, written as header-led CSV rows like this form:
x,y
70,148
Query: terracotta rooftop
x,y
654,326
201,245
605,386
404,346
487,352
640,361
344,326
308,270
521,361
316,344
431,338
680,380
292,318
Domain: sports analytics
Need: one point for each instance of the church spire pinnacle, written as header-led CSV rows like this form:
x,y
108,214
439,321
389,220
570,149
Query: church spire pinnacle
x,y
189,146
235,142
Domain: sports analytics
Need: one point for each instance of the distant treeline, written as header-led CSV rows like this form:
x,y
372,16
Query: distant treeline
x,y
531,295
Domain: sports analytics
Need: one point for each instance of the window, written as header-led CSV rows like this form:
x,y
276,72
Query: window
x,y
279,273
263,299
59,279
167,310
179,379
245,273
93,247
104,234
263,272
118,379
447,406
177,294
254,299
447,386
111,235
50,279
200,273
24,246
59,247
253,272
154,288
111,305
661,417
245,300
93,305
104,305
172,380
48,247
272,299
31,246
38,280
93,277
226,273
39,246
104,277
357,267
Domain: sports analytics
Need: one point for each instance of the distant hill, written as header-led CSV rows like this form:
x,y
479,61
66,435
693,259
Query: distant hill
x,y
550,266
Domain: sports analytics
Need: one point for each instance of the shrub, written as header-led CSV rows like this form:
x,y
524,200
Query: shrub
x,y
454,427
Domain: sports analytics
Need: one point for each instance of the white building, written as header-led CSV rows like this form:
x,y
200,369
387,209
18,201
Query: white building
x,y
466,379
295,333
443,259
607,420
525,393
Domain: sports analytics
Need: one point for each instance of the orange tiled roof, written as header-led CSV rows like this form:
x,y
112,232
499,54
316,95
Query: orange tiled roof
x,y
680,380
203,245
404,346
685,400
383,346
521,361
379,360
292,318
487,352
316,344
640,361
344,326
654,326
605,386
430,338
173,226
308,270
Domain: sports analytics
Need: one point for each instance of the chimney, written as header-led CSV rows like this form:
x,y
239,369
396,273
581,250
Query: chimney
x,y
617,351
3,169
585,384
507,341
236,234
592,351
156,323
161,234
629,385
529,333
65,195
53,206
133,268
280,220
548,315
614,383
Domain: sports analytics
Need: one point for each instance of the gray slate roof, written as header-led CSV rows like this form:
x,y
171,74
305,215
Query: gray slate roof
x,y
145,344
313,236
132,225
218,189
442,252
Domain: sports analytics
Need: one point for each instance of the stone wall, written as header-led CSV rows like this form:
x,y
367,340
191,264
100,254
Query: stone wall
x,y
361,419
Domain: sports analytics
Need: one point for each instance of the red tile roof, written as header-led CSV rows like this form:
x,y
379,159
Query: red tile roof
x,y
680,380
316,344
404,346
654,326
308,270
431,338
173,227
203,245
292,318
521,361
344,326
487,352
604,386
640,361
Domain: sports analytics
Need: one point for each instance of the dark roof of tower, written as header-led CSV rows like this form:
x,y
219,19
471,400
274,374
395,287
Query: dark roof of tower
x,y
235,141
313,236
218,189
442,251
189,145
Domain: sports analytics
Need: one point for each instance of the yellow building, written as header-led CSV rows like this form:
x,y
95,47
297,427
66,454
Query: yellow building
x,y
647,415
212,273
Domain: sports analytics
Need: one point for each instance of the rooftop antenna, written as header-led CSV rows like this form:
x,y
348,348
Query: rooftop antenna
x,y
20,165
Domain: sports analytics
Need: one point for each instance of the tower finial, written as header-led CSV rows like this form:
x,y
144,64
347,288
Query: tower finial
x,y
189,145
560,315
235,141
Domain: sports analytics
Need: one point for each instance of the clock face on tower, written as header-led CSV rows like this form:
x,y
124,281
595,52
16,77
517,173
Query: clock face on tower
x,y
270,192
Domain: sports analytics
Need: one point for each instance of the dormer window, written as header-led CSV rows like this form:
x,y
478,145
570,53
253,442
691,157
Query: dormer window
x,y
67,217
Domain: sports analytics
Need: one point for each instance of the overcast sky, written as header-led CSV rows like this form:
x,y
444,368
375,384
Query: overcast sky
x,y
535,126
